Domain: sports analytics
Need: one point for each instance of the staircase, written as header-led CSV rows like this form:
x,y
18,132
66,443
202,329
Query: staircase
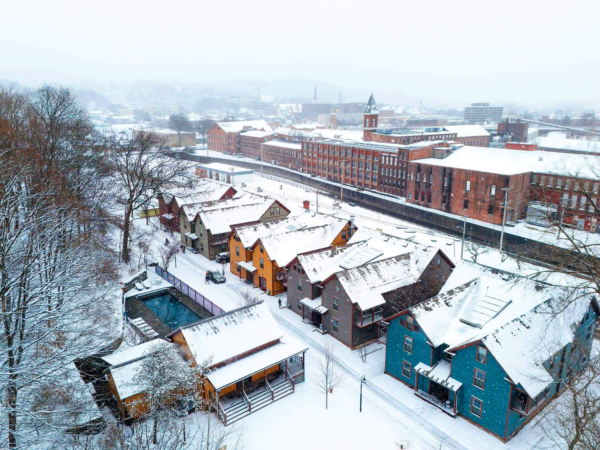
x,y
257,399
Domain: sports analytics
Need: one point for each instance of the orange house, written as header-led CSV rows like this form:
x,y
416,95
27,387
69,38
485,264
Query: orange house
x,y
271,254
252,363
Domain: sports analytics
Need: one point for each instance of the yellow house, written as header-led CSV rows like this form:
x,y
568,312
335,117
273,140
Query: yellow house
x,y
252,363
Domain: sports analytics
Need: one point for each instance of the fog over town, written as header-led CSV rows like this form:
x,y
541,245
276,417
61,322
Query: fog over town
x,y
317,225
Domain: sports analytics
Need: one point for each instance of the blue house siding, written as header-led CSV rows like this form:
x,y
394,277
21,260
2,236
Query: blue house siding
x,y
395,353
495,395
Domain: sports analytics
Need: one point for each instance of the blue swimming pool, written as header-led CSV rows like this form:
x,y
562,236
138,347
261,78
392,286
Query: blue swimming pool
x,y
170,310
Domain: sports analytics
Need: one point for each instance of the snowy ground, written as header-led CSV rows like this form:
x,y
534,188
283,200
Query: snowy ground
x,y
391,413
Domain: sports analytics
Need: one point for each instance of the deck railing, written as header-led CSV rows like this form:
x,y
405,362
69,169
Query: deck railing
x,y
191,293
289,377
270,389
247,400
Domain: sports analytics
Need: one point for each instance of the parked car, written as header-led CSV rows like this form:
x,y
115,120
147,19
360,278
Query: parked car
x,y
223,257
215,277
352,204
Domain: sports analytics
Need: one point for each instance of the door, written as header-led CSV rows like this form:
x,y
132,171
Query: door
x,y
580,224
263,283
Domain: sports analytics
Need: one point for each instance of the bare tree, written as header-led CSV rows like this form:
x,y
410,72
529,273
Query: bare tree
x,y
203,126
180,123
573,420
329,375
247,296
142,170
167,252
475,250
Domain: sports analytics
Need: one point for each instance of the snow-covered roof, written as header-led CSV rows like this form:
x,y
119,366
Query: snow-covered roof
x,y
284,144
249,234
257,362
236,127
204,191
464,131
366,284
132,353
257,133
513,162
124,374
518,333
284,247
234,333
224,168
220,220
567,145
375,246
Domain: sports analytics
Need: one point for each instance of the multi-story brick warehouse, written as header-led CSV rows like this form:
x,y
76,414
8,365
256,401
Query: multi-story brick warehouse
x,y
471,182
225,136
381,167
251,141
282,153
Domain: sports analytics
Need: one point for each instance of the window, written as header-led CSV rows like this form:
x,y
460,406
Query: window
x,y
299,285
335,325
406,369
410,196
481,355
299,305
262,249
490,210
408,344
262,263
468,186
336,286
336,304
476,406
466,204
493,190
410,322
479,379
237,250
272,211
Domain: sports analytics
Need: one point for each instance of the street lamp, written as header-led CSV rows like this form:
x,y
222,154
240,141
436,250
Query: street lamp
x,y
363,380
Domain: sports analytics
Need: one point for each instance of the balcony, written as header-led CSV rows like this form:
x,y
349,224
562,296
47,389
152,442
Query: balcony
x,y
519,402
368,317
219,239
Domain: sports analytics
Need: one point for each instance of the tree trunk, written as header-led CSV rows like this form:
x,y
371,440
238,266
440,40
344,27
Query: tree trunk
x,y
155,431
126,225
326,398
12,417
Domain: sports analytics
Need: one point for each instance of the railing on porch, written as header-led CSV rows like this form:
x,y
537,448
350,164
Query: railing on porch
x,y
270,389
519,401
191,293
220,410
291,379
247,400
219,239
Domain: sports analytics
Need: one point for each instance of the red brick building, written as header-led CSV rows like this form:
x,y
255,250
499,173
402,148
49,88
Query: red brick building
x,y
225,136
471,182
283,153
251,141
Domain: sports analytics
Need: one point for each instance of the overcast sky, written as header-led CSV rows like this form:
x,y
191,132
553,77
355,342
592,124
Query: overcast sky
x,y
527,51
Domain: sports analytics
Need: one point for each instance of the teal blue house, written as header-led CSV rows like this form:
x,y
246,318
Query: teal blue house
x,y
491,350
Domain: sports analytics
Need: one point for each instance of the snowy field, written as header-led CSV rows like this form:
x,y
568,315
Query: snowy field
x,y
392,415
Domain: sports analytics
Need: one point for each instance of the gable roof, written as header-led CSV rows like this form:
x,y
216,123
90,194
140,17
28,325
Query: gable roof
x,y
366,284
284,247
205,191
518,334
464,131
375,246
249,234
232,334
220,220
238,126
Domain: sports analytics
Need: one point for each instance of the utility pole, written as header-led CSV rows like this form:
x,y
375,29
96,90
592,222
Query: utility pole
x,y
342,184
462,244
363,380
504,217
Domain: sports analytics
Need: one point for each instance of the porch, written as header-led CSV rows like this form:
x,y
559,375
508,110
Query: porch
x,y
313,313
240,389
248,270
442,390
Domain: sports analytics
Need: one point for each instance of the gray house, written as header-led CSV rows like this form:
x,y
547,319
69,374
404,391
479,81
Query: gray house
x,y
346,291
208,229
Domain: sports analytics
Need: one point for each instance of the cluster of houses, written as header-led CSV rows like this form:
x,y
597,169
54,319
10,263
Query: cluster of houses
x,y
489,346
